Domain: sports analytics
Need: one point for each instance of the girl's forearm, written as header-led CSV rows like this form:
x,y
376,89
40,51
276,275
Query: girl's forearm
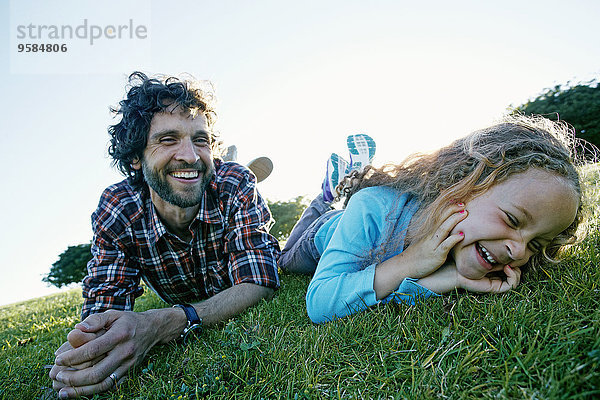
x,y
442,281
390,274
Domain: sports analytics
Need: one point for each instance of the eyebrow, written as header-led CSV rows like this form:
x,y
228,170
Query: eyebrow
x,y
524,211
202,132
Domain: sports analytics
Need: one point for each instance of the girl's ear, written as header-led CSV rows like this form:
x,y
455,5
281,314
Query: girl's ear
x,y
136,164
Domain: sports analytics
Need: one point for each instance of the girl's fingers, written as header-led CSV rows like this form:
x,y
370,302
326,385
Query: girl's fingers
x,y
451,210
513,276
451,241
449,223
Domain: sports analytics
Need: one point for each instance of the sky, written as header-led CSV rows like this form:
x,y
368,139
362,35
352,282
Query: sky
x,y
292,80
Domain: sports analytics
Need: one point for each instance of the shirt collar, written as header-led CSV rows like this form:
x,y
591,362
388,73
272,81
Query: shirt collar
x,y
210,210
156,228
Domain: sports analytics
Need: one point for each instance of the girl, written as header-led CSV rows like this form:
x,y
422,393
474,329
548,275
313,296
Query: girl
x,y
492,203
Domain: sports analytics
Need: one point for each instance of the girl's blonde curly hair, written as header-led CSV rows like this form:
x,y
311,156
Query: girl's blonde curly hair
x,y
471,165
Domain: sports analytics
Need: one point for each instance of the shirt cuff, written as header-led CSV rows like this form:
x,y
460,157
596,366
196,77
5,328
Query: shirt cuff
x,y
409,292
365,289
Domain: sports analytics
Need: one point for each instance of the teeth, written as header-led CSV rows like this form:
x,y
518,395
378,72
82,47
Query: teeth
x,y
489,257
185,174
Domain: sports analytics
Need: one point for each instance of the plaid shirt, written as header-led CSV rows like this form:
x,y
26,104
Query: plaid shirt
x,y
230,245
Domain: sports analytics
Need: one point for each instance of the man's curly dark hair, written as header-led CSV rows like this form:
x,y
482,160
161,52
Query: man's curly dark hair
x,y
145,97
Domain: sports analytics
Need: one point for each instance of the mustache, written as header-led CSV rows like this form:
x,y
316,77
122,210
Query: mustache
x,y
198,165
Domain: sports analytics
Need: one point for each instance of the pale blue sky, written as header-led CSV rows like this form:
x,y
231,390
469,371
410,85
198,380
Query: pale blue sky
x,y
292,79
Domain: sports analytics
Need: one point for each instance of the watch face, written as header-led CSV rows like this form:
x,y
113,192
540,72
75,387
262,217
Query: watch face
x,y
193,327
193,330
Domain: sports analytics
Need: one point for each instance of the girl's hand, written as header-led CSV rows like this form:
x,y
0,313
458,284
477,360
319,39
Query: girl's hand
x,y
421,258
447,278
492,284
431,252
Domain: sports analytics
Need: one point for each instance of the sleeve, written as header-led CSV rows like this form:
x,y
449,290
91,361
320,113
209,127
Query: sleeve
x,y
252,251
341,285
113,280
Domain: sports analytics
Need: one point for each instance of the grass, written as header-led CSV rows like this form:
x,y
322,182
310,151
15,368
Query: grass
x,y
540,341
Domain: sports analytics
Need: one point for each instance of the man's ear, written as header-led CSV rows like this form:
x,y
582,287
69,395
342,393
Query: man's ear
x,y
136,164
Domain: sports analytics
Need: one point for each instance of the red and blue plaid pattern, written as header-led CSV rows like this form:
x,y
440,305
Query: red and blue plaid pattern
x,y
230,245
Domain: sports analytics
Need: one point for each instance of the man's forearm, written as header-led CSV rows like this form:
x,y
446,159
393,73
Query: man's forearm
x,y
231,302
218,308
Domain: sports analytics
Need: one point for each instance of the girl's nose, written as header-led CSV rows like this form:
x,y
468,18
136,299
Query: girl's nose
x,y
518,251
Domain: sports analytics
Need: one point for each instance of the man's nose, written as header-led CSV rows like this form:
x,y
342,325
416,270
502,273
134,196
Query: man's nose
x,y
186,152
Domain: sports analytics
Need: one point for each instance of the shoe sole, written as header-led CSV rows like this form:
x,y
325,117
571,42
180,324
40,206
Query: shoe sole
x,y
335,164
261,167
360,145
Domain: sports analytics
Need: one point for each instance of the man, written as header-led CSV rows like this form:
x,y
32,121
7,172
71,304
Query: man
x,y
191,226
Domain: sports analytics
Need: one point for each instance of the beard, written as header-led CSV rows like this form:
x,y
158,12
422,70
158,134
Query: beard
x,y
184,198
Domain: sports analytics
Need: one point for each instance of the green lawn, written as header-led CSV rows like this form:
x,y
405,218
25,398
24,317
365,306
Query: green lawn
x,y
541,341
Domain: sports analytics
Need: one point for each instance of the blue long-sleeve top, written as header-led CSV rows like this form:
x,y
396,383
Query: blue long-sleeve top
x,y
342,283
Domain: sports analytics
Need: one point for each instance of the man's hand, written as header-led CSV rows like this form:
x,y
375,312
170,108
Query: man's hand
x,y
114,341
103,344
75,338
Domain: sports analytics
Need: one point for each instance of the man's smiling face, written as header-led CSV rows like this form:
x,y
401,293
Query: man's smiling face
x,y
177,162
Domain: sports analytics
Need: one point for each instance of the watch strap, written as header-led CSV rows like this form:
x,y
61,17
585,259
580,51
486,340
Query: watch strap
x,y
194,321
190,313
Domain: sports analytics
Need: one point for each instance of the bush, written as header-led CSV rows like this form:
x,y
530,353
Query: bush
x,y
286,214
71,266
578,105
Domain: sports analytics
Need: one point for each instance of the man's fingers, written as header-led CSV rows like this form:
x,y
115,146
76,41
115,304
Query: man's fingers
x,y
56,385
66,346
90,363
86,353
78,338
55,370
70,392
91,350
121,356
97,322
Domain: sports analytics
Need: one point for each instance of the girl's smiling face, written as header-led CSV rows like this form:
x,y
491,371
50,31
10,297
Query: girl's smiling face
x,y
512,221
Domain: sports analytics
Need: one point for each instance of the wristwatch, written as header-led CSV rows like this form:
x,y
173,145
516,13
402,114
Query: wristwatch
x,y
194,321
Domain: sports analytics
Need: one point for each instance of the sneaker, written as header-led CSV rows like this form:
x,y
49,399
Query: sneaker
x,y
261,167
362,150
336,170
